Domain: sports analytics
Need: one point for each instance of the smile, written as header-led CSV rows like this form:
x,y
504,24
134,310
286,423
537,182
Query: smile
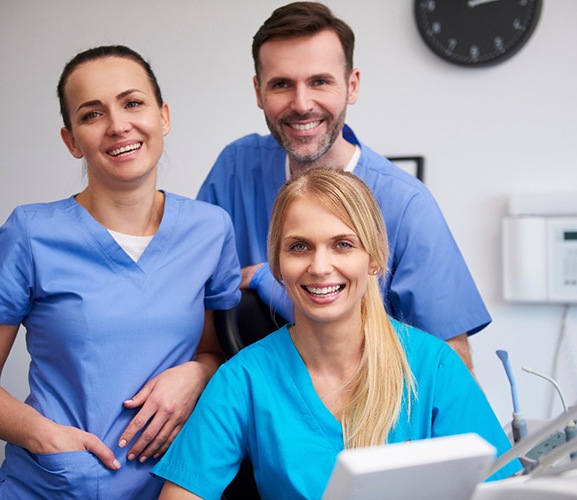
x,y
125,149
304,126
325,291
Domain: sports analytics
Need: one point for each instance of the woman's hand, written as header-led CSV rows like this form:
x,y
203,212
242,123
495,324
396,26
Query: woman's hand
x,y
24,426
68,438
168,399
166,402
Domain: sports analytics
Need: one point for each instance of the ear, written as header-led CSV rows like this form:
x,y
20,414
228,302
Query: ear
x,y
354,84
257,91
373,268
70,141
165,118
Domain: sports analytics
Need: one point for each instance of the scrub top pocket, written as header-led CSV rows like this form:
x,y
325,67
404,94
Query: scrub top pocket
x,y
72,474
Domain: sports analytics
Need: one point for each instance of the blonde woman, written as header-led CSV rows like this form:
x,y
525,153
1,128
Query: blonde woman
x,y
342,376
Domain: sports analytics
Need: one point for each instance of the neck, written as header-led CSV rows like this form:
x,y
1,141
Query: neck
x,y
329,347
338,156
135,213
332,359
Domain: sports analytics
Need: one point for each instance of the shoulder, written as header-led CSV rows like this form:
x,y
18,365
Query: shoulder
x,y
252,146
384,177
197,209
423,349
259,361
32,212
241,164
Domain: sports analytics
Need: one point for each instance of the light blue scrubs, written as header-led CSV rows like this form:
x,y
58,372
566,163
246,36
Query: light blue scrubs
x,y
99,326
262,404
429,285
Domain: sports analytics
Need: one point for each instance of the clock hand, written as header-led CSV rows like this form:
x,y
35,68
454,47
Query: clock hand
x,y
474,3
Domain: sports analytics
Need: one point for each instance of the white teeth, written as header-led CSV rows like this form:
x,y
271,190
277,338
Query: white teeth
x,y
125,149
304,126
326,290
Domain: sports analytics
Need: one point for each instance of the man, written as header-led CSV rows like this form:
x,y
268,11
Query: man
x,y
304,82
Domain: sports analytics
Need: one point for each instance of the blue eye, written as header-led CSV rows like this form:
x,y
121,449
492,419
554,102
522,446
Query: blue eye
x,y
298,247
344,246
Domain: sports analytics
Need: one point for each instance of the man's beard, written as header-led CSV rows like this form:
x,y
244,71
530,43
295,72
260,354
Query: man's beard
x,y
291,145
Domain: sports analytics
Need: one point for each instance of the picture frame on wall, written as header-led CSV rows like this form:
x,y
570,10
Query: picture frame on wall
x,y
414,165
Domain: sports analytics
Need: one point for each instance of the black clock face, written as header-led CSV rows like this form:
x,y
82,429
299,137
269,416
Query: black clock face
x,y
476,32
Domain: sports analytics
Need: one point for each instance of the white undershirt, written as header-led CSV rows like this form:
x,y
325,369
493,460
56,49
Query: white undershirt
x,y
134,246
349,168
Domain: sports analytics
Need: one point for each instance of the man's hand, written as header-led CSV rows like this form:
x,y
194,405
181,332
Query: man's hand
x,y
247,275
460,345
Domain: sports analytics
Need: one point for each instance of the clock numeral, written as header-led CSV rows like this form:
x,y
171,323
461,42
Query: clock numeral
x,y
523,3
452,45
498,43
518,25
430,5
435,28
474,52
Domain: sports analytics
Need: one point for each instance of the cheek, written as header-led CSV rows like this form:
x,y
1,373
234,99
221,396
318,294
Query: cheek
x,y
290,269
273,105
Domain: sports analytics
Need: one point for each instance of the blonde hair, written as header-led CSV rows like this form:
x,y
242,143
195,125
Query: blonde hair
x,y
383,373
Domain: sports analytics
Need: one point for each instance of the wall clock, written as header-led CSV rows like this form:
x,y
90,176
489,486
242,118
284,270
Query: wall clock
x,y
476,32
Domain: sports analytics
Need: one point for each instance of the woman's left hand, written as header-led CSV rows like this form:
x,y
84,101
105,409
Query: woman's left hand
x,y
167,401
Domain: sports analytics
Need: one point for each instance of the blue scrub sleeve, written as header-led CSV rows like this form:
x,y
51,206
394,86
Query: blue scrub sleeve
x,y
430,289
272,293
222,290
16,270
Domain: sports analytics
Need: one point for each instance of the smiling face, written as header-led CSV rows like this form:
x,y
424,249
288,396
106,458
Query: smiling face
x,y
116,122
303,89
323,264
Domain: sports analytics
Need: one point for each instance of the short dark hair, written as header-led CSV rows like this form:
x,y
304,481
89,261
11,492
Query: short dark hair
x,y
301,19
100,53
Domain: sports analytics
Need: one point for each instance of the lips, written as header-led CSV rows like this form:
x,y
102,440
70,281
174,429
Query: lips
x,y
304,126
325,291
124,150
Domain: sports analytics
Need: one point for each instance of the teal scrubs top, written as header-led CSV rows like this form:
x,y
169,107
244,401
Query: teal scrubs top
x,y
262,404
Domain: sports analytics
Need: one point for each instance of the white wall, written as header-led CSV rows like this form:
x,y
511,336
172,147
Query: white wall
x,y
485,133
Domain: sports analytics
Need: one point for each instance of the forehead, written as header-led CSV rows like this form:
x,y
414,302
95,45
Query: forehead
x,y
307,218
106,75
315,54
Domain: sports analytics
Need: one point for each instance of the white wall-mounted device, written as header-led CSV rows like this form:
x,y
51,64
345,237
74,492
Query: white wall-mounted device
x,y
540,248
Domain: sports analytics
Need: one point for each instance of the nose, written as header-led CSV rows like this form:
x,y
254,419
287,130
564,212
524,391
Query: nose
x,y
302,102
320,264
118,123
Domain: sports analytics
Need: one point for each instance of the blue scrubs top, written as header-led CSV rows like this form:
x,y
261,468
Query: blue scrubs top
x,y
100,325
429,285
262,404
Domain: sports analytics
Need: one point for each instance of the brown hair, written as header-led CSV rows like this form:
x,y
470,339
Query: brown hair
x,y
300,19
99,53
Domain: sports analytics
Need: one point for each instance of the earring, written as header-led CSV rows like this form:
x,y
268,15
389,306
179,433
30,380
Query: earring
x,y
374,272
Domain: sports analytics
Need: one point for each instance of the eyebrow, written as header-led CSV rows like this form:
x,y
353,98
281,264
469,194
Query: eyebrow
x,y
97,102
337,237
318,76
